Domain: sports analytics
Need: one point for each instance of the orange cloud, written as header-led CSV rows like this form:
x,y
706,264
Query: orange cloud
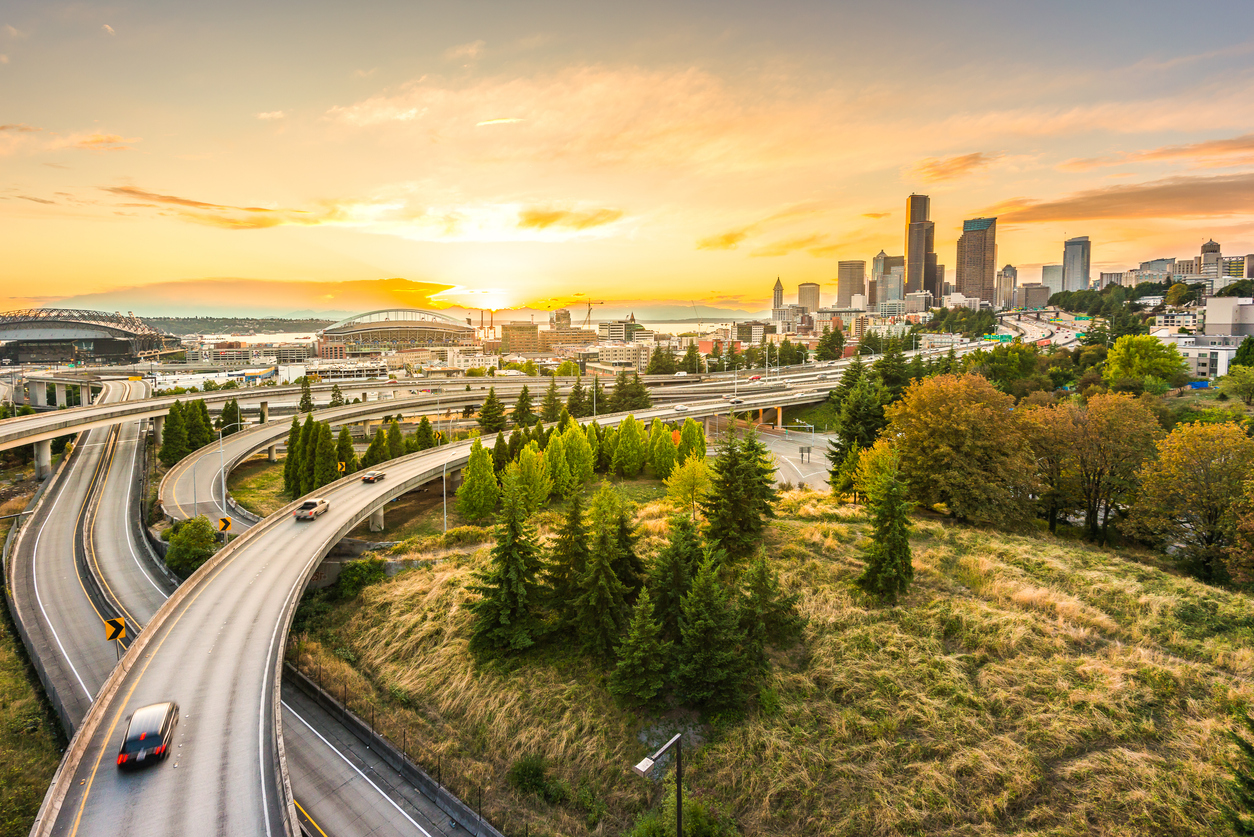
x,y
540,219
731,239
1236,151
726,241
95,142
789,245
18,127
1175,197
937,169
876,214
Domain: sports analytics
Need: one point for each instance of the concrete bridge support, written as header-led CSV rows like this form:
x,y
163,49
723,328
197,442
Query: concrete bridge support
x,y
158,427
39,393
365,396
61,395
43,459
376,520
265,415
84,395
273,453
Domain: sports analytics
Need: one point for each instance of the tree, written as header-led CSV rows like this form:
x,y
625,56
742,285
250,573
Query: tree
x,y
711,665
630,453
831,345
889,568
1244,355
306,395
597,400
854,372
671,575
1050,431
688,483
173,436
741,496
337,397
476,498
767,613
1178,294
377,452
567,369
627,564
1241,815
1138,356
661,362
522,414
500,454
577,401
691,441
891,370
600,609
424,436
619,395
517,441
961,443
191,544
560,474
592,435
662,454
309,449
507,616
656,429
1239,383
861,418
395,440
642,658
691,361
534,478
344,451
492,414
199,430
291,469
843,471
325,470
1188,496
568,555
579,455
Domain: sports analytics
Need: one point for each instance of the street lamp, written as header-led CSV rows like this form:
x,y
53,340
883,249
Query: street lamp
x,y
646,765
222,462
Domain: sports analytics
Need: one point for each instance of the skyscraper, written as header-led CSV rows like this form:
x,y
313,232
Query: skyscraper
x,y
1076,253
808,295
920,243
1006,281
1051,277
850,280
977,259
777,300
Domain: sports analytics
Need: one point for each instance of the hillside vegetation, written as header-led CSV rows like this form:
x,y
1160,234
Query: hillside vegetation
x,y
1025,685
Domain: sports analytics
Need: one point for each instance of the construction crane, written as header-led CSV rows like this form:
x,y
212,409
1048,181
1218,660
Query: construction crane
x,y
587,319
697,314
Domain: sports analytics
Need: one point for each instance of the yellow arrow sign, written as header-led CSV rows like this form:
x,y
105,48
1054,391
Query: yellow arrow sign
x,y
340,466
115,629
224,524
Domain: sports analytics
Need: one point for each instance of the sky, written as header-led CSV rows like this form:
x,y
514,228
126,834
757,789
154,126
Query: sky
x,y
232,157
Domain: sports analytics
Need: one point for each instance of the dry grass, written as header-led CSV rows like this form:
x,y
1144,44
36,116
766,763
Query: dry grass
x,y
1024,686
257,485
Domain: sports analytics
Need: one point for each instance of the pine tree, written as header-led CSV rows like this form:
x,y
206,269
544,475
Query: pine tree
x,y
630,451
199,434
309,450
663,455
671,575
691,441
889,568
395,439
579,455
522,414
476,498
325,470
844,470
600,609
568,556
534,479
507,616
891,370
344,451
627,564
564,421
577,402
377,452
854,372
516,443
767,613
492,414
642,659
551,406
711,665
861,417
691,362
619,396
638,394
559,466
540,435
661,362
173,436
306,396
291,470
424,436
741,496
500,454
203,409
337,397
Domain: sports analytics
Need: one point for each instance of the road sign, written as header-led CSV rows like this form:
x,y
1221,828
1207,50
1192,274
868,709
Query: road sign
x,y
115,629
224,524
339,466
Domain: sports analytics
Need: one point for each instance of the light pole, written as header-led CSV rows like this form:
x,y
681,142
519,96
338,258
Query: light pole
x,y
646,765
222,462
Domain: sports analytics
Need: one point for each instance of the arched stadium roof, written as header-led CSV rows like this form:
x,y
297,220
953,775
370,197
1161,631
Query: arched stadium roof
x,y
399,316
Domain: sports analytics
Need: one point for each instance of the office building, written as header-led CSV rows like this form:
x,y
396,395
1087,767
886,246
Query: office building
x,y
891,285
1104,279
753,331
881,266
1032,295
777,297
520,337
919,302
1159,266
633,357
1051,277
977,259
622,331
1007,278
1076,254
920,244
808,292
1229,315
850,280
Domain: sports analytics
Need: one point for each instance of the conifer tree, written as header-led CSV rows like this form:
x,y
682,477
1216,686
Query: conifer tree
x,y
309,448
522,413
630,451
540,435
306,395
517,441
619,396
861,417
656,429
173,436
609,442
534,479
558,466
691,362
741,496
325,470
711,665
500,454
198,432
854,372
670,577
344,451
337,397
889,567
551,405
579,454
234,419
767,613
507,616
592,435
203,409
395,440
843,473
891,370
476,498
600,609
917,369
377,452
492,414
638,394
577,402
568,556
291,471
663,454
424,436
627,564
642,658
563,421
691,441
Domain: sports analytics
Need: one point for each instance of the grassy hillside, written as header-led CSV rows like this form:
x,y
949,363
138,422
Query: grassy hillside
x,y
1026,685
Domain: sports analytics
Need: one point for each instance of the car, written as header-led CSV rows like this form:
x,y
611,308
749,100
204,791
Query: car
x,y
681,408
735,401
755,378
149,734
372,476
311,508
725,396
680,374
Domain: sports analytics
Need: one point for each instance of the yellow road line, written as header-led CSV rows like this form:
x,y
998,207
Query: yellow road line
x,y
311,819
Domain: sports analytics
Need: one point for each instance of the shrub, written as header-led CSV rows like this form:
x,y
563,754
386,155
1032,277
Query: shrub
x,y
529,774
356,576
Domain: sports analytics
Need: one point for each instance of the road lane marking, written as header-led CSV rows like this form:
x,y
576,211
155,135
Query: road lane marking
x,y
311,819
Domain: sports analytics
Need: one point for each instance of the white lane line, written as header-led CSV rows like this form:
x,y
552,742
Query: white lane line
x,y
126,521
359,773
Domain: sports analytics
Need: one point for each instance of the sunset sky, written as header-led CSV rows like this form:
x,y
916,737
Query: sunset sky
x,y
175,157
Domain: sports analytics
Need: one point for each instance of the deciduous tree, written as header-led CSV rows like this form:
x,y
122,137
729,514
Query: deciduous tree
x,y
1138,356
1239,383
688,484
476,498
190,546
630,450
691,441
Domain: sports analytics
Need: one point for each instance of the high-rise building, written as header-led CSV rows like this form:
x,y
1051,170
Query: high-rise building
x,y
850,280
891,285
560,318
977,259
920,242
1051,277
1076,254
808,293
777,299
1006,281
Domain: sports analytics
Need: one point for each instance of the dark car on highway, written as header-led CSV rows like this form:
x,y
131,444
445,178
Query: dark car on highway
x,y
372,476
149,734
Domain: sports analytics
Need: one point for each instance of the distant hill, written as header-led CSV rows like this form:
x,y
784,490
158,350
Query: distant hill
x,y
233,325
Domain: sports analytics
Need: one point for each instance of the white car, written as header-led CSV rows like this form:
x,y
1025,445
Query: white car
x,y
311,508
681,408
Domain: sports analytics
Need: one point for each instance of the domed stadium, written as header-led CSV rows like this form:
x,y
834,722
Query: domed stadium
x,y
393,329
62,335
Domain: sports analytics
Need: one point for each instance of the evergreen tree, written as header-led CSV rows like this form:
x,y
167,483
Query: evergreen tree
x,y
844,469
861,416
918,371
691,441
630,451
563,479
600,609
767,613
492,414
500,454
173,436
889,569
691,362
309,449
627,564
395,440
854,372
424,436
291,471
198,432
711,666
306,395
642,659
377,453
203,409
551,405
671,575
516,443
522,414
337,397
540,435
656,429
534,479
507,616
344,451
609,442
564,421
638,395
831,345
568,556
1241,813
664,455
325,470
619,396
476,498
661,362
577,402
891,370
741,496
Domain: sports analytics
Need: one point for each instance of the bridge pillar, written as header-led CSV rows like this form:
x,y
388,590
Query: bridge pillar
x,y
61,401
265,416
158,429
39,393
43,459
19,392
273,452
376,520
760,413
365,396
84,395
779,416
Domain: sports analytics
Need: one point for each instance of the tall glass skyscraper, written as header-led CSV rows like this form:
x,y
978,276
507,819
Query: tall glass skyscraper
x,y
977,259
1075,263
920,244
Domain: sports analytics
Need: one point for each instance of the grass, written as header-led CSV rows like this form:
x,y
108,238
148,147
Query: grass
x,y
30,740
257,485
1025,685
823,415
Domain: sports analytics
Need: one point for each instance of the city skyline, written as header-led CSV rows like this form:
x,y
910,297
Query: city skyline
x,y
540,158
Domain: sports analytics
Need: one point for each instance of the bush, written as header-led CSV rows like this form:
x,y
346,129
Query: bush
x,y
529,774
192,543
356,576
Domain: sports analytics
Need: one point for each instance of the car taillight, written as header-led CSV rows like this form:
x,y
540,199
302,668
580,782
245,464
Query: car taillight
x,y
122,758
159,750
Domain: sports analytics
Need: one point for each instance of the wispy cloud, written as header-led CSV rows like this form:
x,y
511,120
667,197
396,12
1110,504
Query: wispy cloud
x,y
544,218
938,169
108,29
1175,197
876,214
18,127
13,32
36,200
1235,151
272,114
94,142
502,121
465,52
790,245
732,239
